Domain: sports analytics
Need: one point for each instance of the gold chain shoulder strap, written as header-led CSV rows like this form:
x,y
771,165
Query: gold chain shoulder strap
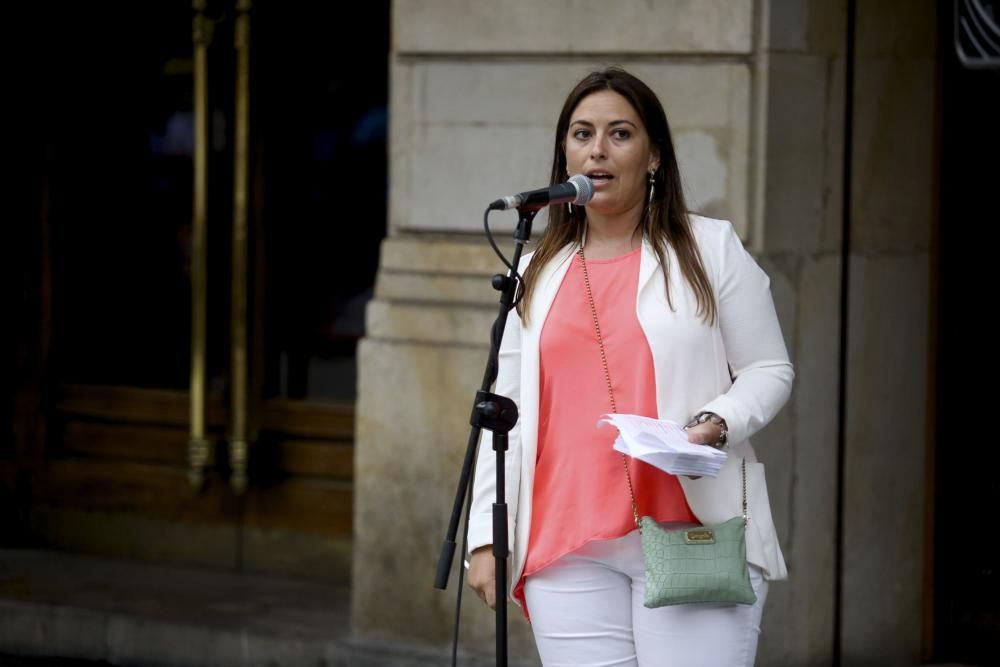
x,y
611,396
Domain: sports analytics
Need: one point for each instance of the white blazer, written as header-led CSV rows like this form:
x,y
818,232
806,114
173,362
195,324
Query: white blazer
x,y
691,365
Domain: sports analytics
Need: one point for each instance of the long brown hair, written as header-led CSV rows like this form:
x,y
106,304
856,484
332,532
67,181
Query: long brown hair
x,y
666,218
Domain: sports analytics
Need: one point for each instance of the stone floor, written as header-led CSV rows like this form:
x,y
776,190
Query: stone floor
x,y
22,661
102,612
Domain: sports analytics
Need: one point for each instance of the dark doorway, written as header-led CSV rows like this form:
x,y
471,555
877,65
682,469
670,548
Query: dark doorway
x,y
97,459
967,488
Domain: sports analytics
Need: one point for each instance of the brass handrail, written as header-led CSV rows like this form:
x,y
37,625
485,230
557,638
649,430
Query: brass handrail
x,y
238,441
199,450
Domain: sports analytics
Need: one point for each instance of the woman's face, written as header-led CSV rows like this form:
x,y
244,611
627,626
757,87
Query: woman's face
x,y
607,142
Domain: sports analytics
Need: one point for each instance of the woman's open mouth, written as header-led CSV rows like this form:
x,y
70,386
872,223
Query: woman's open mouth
x,y
600,178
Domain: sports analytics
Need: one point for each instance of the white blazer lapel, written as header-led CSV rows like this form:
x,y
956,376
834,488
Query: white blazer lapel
x,y
649,264
547,286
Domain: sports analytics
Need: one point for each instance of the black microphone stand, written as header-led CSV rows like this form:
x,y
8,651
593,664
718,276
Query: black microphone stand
x,y
499,415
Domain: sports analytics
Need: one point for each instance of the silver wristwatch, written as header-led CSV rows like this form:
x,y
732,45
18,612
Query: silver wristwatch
x,y
703,417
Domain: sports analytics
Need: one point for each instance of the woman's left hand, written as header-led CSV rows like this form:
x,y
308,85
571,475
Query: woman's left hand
x,y
705,433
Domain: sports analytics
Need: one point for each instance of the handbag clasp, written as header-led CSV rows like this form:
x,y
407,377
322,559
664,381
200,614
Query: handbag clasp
x,y
699,536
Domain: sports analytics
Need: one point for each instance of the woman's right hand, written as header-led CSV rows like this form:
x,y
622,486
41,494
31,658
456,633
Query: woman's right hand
x,y
482,575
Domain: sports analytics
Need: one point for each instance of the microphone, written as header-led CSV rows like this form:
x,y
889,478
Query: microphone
x,y
578,190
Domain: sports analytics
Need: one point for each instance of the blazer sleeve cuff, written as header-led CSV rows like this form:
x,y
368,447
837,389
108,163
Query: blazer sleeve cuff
x,y
481,531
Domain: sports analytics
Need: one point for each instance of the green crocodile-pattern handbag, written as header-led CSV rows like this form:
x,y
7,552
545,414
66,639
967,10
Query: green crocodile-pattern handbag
x,y
702,564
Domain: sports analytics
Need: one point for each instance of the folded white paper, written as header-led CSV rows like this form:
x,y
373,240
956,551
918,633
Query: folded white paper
x,y
664,444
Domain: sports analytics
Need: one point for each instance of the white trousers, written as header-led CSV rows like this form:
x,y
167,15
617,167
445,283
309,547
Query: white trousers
x,y
587,610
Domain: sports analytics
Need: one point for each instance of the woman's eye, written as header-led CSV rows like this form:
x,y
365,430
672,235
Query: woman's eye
x,y
621,134
581,134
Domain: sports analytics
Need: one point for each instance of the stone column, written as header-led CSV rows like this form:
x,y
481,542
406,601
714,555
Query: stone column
x,y
800,247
